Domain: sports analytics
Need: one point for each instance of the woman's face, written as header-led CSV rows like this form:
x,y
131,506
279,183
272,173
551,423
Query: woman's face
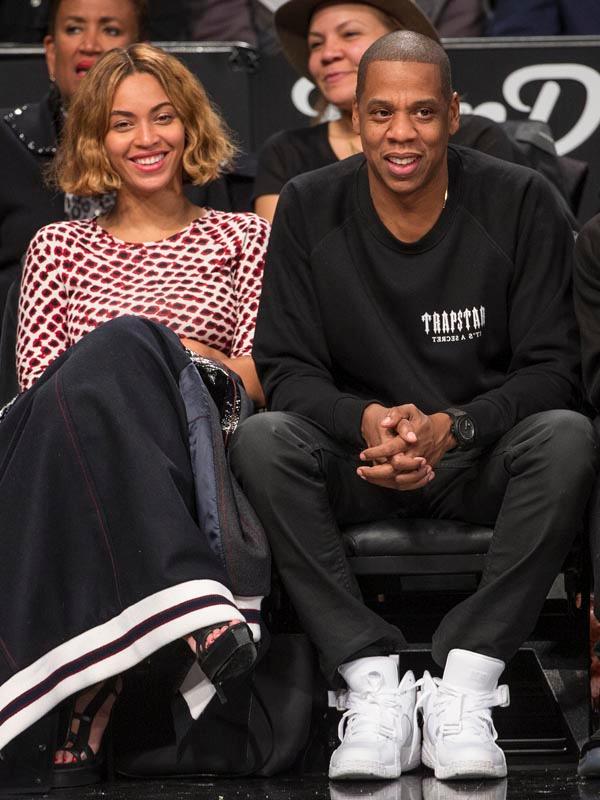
x,y
146,137
338,36
84,30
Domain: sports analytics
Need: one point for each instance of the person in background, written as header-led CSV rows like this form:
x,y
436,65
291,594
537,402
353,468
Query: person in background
x,y
201,21
122,529
544,18
455,18
23,21
586,282
324,41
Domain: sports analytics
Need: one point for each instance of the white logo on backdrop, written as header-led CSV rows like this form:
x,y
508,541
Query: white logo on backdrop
x,y
541,109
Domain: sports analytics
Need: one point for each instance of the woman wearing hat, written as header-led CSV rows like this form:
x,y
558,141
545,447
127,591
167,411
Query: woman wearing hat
x,y
324,41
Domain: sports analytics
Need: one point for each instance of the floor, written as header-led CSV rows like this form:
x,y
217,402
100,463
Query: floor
x,y
546,777
530,776
550,784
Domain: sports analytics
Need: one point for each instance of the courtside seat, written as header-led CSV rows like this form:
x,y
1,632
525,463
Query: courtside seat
x,y
412,571
417,547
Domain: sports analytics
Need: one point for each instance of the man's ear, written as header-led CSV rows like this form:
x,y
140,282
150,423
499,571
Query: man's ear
x,y
355,116
454,114
50,51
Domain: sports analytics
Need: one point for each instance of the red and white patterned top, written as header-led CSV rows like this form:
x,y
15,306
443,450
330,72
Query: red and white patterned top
x,y
203,282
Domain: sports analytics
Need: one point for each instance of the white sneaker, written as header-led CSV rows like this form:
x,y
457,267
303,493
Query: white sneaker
x,y
378,733
459,738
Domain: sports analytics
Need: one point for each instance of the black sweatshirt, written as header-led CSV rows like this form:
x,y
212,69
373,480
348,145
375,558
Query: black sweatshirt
x,y
477,314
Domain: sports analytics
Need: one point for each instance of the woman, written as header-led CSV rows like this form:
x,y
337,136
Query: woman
x,y
325,41
132,534
79,31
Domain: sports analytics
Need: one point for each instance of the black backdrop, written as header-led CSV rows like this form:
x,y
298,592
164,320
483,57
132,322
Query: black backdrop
x,y
554,79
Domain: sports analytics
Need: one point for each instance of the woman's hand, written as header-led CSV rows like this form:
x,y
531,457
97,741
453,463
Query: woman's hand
x,y
242,366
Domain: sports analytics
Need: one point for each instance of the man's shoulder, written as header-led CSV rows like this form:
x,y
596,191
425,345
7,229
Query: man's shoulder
x,y
321,201
493,185
476,163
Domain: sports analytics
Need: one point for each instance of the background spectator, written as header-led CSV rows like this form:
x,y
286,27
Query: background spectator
x,y
23,20
544,18
202,20
455,17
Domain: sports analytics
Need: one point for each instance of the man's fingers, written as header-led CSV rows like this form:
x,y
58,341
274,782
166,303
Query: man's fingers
x,y
416,467
405,431
401,419
406,463
409,482
385,476
385,450
392,418
380,472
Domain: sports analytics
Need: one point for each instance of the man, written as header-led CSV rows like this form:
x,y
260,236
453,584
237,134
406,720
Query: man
x,y
414,336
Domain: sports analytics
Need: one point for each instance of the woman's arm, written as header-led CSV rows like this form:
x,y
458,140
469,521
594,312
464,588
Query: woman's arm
x,y
242,366
278,161
265,206
247,273
42,333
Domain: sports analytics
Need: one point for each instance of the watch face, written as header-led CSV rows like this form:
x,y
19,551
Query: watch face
x,y
466,429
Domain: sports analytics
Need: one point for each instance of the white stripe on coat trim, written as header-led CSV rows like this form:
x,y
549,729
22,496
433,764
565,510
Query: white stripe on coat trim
x,y
105,634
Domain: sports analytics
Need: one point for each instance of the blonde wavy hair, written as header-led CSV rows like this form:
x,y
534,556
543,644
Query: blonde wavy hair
x,y
82,166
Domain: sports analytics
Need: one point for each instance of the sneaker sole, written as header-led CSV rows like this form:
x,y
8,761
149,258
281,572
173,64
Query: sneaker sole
x,y
373,772
363,772
458,770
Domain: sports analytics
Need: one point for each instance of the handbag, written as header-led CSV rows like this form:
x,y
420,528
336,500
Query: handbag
x,y
261,730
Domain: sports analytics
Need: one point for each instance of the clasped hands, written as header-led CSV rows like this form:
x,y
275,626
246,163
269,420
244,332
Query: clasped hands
x,y
403,446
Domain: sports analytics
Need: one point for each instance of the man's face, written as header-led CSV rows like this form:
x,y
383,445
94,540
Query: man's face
x,y
404,122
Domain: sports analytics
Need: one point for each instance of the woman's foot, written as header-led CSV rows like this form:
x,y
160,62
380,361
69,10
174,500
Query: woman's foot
x,y
89,719
212,636
224,651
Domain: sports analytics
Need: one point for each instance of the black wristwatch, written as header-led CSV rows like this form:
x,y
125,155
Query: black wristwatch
x,y
462,428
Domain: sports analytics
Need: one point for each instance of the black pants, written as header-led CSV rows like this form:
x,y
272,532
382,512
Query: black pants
x,y
532,486
104,554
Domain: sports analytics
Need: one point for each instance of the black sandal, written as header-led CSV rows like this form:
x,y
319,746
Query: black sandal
x,y
87,767
231,654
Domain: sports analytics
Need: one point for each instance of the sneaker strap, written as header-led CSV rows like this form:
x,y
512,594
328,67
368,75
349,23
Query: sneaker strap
x,y
376,711
474,706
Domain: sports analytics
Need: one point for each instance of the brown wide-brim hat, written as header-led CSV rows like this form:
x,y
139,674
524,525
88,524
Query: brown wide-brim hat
x,y
292,20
